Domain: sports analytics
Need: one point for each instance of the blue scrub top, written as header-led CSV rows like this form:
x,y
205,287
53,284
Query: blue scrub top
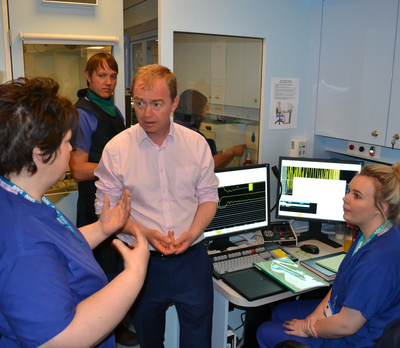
x,y
45,271
369,282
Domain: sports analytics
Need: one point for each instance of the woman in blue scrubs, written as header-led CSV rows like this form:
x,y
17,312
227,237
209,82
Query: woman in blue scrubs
x,y
52,291
365,295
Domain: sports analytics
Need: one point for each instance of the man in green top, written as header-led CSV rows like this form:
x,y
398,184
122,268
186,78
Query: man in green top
x,y
99,121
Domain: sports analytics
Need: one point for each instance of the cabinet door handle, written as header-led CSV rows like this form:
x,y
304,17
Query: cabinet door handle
x,y
374,133
396,136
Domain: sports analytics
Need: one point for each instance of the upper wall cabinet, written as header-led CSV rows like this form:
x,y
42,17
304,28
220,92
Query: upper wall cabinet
x,y
393,129
243,68
357,50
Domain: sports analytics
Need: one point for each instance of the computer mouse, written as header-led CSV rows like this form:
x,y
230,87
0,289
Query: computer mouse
x,y
309,248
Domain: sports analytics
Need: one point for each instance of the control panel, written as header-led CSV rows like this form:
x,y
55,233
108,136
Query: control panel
x,y
280,232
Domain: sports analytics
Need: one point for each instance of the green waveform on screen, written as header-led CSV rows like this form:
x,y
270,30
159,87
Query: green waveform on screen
x,y
235,198
314,173
235,189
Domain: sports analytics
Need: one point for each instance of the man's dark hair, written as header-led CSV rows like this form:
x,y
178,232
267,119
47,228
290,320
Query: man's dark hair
x,y
100,60
32,115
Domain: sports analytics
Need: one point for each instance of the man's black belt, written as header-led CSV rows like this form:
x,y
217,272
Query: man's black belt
x,y
155,253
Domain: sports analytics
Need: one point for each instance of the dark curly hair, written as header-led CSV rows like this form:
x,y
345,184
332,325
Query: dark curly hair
x,y
32,114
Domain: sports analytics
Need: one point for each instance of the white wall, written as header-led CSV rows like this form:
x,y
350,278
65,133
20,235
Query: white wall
x,y
34,16
5,66
285,27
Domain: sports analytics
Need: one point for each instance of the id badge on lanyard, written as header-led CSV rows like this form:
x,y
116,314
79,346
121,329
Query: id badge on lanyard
x,y
329,309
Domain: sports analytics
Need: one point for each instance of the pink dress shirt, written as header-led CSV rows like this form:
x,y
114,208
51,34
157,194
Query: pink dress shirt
x,y
166,183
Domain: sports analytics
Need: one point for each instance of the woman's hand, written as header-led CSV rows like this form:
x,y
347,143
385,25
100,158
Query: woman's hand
x,y
296,328
111,220
310,322
135,256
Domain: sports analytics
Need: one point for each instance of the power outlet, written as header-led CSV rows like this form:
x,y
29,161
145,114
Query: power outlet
x,y
298,148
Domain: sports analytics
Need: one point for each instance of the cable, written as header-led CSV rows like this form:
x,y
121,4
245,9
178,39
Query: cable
x,y
242,320
277,176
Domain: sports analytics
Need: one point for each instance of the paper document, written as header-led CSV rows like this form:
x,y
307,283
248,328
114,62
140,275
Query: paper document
x,y
332,263
290,274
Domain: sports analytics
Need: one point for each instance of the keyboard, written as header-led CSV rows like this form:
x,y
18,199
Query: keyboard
x,y
238,259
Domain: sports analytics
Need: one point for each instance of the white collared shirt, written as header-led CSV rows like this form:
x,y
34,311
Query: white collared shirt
x,y
166,183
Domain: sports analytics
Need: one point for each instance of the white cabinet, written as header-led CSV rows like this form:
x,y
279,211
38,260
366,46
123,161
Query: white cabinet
x,y
243,72
235,66
252,71
357,49
192,62
394,110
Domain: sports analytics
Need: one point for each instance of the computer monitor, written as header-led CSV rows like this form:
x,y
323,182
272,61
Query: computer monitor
x,y
313,190
243,204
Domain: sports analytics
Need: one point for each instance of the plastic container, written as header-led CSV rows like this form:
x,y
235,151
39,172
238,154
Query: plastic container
x,y
340,230
349,237
248,159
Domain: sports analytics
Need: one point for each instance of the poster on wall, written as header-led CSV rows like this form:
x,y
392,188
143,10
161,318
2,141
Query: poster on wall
x,y
284,103
73,2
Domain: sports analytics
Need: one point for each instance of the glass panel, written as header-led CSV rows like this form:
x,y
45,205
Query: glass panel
x,y
227,71
63,63
66,65
143,53
152,52
137,57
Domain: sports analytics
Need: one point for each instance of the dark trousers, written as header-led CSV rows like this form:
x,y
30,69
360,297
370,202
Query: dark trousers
x,y
185,281
105,254
271,332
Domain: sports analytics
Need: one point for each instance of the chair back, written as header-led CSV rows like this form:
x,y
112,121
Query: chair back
x,y
390,336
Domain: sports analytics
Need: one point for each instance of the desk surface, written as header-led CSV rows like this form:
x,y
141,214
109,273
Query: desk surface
x,y
237,299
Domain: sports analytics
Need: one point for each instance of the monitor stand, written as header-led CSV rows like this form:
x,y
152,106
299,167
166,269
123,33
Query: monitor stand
x,y
220,244
314,232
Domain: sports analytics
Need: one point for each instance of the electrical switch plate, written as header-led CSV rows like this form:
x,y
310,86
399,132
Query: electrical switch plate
x,y
298,148
363,150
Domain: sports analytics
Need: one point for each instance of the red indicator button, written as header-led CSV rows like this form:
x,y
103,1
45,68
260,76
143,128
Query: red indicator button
x,y
372,151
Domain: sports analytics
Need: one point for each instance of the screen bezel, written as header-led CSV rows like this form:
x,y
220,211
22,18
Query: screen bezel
x,y
263,225
280,215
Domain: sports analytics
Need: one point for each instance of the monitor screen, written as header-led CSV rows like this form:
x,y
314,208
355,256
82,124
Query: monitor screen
x,y
243,204
313,189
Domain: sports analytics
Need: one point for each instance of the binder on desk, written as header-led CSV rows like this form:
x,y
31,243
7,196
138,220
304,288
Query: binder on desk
x,y
252,284
290,274
315,266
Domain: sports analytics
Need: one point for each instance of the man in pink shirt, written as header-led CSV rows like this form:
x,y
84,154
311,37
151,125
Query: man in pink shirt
x,y
169,171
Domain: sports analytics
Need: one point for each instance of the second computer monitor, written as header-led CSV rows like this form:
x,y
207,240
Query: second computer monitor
x,y
243,203
313,189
